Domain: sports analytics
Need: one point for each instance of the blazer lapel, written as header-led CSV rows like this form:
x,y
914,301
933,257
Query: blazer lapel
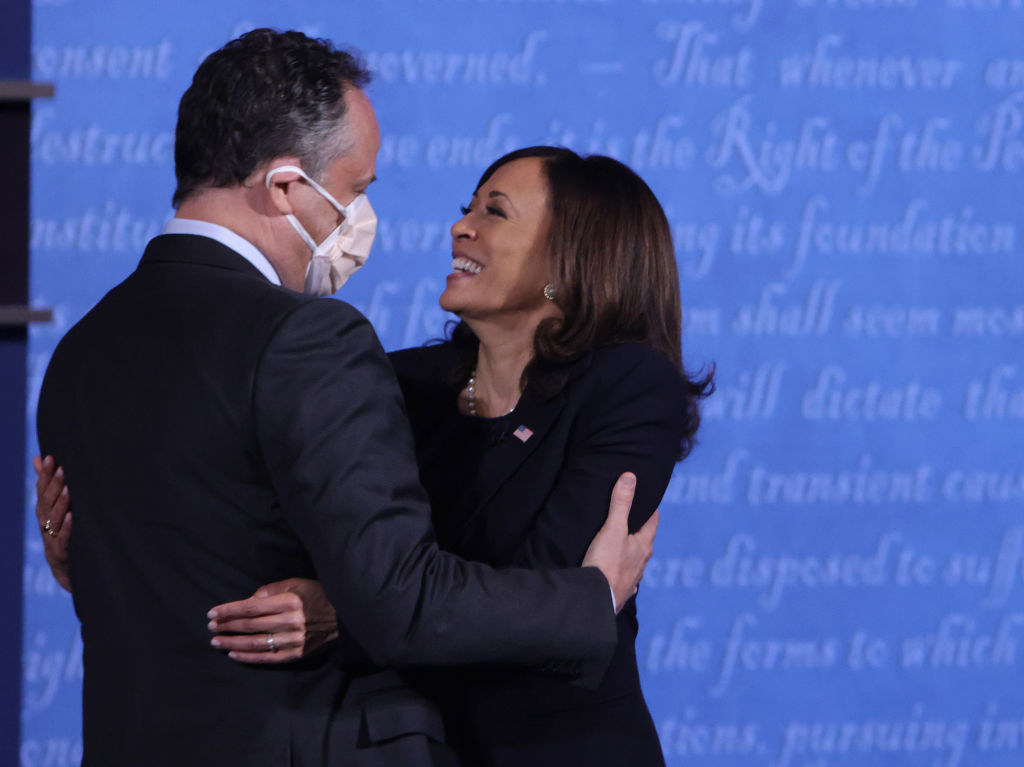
x,y
505,457
507,451
537,416
500,462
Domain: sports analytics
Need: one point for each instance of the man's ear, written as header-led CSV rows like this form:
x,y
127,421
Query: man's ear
x,y
280,186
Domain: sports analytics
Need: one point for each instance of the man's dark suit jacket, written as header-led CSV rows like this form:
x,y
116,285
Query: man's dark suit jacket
x,y
533,497
220,433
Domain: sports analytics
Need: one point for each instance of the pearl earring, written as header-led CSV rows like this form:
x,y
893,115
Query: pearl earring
x,y
550,292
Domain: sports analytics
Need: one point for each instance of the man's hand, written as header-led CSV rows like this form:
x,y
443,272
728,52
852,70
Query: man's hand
x,y
620,556
52,512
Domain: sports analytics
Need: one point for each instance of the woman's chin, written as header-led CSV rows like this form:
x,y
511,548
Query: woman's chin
x,y
448,302
458,293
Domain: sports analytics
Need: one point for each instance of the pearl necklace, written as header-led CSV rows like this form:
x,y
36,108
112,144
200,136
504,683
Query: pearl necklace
x,y
470,392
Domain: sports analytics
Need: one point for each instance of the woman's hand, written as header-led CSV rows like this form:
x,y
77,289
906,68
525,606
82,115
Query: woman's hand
x,y
281,622
53,503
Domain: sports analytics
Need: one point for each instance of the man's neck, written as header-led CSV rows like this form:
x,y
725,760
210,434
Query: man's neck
x,y
237,208
224,207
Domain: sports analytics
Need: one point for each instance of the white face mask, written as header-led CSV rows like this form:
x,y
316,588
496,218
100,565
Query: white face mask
x,y
344,250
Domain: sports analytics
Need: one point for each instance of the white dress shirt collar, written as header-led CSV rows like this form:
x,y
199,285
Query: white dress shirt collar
x,y
225,237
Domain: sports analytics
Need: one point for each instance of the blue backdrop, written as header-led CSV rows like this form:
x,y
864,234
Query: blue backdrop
x,y
839,577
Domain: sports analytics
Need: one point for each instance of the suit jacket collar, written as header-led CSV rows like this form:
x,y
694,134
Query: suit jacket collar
x,y
194,249
501,461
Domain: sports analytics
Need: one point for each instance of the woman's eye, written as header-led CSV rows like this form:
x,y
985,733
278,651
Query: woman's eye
x,y
495,211
465,209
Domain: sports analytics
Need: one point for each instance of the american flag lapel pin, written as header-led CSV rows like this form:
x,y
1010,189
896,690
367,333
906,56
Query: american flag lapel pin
x,y
522,433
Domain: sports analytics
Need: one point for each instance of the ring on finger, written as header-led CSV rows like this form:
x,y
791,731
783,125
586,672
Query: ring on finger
x,y
48,528
270,643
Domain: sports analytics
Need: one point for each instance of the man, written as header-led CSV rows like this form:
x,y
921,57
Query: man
x,y
221,432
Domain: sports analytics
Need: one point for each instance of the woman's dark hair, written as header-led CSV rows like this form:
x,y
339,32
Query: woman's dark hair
x,y
614,267
261,96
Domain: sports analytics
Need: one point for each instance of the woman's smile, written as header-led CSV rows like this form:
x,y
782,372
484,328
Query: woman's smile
x,y
462,264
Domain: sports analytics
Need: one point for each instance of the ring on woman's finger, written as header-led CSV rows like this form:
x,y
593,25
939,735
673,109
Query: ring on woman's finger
x,y
48,528
270,643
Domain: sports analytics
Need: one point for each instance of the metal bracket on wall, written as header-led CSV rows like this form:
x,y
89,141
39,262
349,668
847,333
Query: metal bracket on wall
x,y
25,90
16,316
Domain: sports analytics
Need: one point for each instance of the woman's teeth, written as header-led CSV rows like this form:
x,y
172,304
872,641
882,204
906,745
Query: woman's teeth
x,y
465,265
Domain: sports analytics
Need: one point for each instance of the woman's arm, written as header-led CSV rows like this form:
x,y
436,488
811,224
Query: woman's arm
x,y
634,419
300,619
280,622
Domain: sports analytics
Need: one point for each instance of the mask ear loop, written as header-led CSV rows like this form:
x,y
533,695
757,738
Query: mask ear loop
x,y
299,228
342,209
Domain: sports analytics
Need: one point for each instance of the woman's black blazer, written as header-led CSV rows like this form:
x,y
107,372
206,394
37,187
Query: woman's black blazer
x,y
537,502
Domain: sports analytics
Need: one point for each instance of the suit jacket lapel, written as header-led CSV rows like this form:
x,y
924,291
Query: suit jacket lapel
x,y
500,461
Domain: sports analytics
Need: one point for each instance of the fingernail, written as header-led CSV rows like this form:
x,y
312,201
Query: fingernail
x,y
211,614
64,492
629,481
212,625
48,461
215,642
60,472
233,655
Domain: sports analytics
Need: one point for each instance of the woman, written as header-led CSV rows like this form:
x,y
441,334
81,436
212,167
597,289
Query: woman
x,y
564,372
